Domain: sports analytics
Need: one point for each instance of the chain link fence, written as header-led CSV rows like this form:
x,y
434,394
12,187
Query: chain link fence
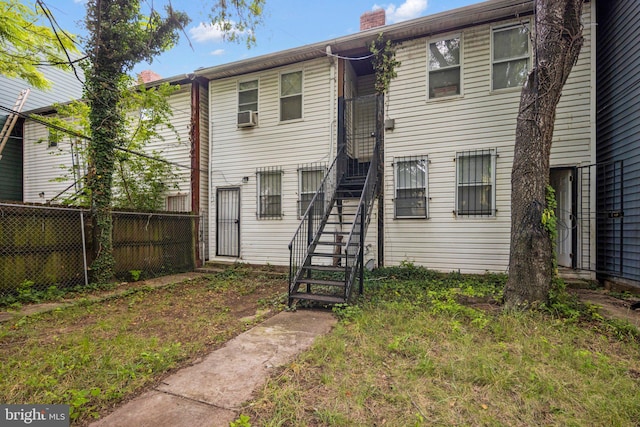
x,y
44,246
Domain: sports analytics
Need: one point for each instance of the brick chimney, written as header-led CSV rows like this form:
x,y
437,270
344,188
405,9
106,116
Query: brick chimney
x,y
147,76
372,19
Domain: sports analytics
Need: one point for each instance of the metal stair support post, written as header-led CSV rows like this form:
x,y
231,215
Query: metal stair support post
x,y
12,118
363,213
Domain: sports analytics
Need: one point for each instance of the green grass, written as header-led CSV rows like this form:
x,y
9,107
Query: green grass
x,y
430,349
95,354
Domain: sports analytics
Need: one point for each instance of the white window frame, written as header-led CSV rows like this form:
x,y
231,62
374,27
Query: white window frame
x,y
302,171
397,188
506,27
301,95
459,66
182,198
259,184
257,89
492,153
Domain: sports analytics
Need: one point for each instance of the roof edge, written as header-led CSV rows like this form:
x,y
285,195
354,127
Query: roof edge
x,y
443,22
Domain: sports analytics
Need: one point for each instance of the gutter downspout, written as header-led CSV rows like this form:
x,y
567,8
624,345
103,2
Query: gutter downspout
x,y
194,136
332,103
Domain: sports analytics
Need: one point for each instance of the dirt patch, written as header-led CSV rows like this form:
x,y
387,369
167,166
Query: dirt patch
x,y
610,306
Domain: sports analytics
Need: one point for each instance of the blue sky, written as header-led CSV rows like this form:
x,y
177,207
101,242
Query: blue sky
x,y
287,24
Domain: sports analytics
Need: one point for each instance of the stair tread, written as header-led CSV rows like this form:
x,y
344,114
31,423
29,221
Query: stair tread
x,y
330,243
331,268
331,255
316,297
338,283
338,232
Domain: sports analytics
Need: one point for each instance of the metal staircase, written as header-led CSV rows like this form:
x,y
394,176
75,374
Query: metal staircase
x,y
326,252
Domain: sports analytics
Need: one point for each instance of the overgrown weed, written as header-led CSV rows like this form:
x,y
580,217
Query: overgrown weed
x,y
424,348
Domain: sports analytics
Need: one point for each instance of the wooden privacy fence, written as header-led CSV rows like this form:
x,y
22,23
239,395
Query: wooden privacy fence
x,y
51,246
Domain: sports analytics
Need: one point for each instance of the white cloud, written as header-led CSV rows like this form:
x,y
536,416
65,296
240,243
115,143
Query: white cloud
x,y
218,52
207,32
408,10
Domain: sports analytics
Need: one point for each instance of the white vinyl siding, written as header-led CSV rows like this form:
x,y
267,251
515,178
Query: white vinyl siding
x,y
235,155
481,119
510,56
45,168
411,187
445,67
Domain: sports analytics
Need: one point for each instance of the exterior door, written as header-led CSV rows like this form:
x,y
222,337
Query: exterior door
x,y
561,181
228,222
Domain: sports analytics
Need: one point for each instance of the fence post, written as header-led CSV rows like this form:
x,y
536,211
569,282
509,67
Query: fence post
x,y
84,249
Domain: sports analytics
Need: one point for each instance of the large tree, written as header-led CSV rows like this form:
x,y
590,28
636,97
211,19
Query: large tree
x,y
557,43
119,37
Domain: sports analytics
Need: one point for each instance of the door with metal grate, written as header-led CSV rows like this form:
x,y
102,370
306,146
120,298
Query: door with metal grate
x,y
228,222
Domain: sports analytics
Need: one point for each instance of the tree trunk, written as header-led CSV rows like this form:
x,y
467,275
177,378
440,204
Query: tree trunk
x,y
558,39
105,124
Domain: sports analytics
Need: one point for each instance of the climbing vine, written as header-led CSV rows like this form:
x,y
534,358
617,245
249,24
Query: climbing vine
x,y
550,222
384,63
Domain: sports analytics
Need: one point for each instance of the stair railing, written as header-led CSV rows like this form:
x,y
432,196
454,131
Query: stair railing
x,y
354,248
304,239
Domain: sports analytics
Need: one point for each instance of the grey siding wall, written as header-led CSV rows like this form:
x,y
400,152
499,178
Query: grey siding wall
x,y
618,138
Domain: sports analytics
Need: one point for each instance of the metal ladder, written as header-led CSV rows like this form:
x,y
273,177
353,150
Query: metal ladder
x,y
12,118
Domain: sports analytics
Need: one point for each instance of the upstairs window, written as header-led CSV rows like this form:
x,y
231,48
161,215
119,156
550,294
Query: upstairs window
x,y
248,96
55,137
410,187
444,68
510,56
269,193
476,182
291,96
309,183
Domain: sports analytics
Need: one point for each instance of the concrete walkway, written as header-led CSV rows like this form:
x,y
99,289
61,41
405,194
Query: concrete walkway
x,y
211,392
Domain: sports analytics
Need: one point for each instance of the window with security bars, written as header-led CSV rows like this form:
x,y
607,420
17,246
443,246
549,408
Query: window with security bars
x,y
410,187
291,96
269,193
310,178
475,182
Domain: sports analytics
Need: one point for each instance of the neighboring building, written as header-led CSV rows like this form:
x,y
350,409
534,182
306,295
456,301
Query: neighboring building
x,y
445,135
618,141
46,163
65,86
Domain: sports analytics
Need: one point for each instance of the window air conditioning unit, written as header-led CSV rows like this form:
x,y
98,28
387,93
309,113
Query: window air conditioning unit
x,y
247,119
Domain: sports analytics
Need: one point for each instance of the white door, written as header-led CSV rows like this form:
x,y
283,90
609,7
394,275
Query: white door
x,y
561,180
